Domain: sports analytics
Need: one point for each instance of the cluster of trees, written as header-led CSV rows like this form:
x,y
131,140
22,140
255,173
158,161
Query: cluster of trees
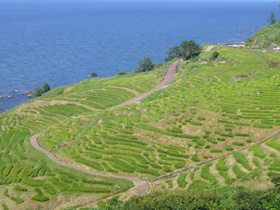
x,y
46,88
144,65
211,196
186,50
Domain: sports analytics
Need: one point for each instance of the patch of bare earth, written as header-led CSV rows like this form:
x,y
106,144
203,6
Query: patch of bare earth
x,y
67,90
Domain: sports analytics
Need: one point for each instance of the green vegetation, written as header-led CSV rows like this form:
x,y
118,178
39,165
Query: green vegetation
x,y
144,65
266,35
272,19
214,55
186,50
222,108
208,198
91,75
182,180
46,88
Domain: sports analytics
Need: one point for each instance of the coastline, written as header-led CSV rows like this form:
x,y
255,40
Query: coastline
x,y
7,103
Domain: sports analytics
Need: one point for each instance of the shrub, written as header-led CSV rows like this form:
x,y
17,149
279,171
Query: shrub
x,y
214,55
121,73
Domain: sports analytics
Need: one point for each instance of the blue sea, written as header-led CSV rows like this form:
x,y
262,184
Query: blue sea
x,y
61,42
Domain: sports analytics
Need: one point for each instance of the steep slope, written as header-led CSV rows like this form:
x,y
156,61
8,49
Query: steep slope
x,y
212,108
265,36
28,178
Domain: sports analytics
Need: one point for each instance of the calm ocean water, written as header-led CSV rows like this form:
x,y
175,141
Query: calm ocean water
x,y
62,42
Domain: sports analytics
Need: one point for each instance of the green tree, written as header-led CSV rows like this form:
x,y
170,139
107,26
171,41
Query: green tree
x,y
214,55
189,49
91,75
46,87
272,18
122,73
186,50
144,65
38,91
173,53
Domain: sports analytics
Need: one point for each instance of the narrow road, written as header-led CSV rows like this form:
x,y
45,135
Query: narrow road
x,y
141,185
176,173
209,47
171,71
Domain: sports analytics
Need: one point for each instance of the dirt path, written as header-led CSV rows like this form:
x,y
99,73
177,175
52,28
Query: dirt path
x,y
209,47
176,173
141,185
171,71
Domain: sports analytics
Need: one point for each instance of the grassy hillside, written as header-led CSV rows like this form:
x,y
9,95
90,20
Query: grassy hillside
x,y
213,108
28,178
265,36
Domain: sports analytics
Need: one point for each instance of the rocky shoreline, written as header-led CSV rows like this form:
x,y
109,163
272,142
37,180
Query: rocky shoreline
x,y
14,99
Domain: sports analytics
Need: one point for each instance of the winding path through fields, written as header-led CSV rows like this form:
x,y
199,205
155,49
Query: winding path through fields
x,y
142,186
171,71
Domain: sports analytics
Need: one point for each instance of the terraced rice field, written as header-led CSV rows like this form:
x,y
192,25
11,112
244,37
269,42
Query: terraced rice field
x,y
27,177
203,115
211,109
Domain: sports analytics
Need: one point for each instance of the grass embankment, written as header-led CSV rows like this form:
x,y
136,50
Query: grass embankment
x,y
265,36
